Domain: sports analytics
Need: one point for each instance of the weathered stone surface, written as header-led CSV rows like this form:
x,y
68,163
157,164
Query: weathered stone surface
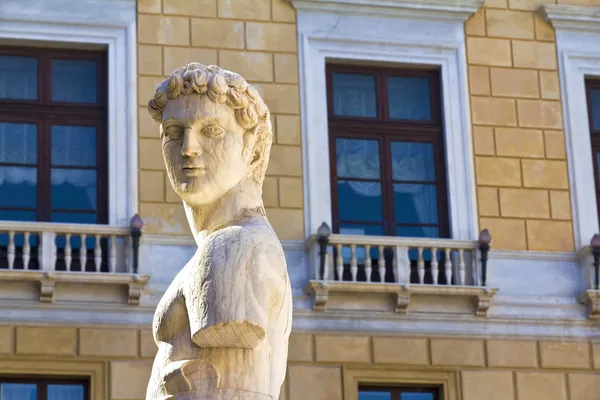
x,y
301,347
406,351
46,341
584,386
128,379
509,24
512,353
457,352
555,354
338,348
509,234
147,346
524,203
541,385
6,339
314,382
108,342
488,385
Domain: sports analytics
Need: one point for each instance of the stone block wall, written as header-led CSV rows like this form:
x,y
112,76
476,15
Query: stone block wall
x,y
256,38
519,144
318,364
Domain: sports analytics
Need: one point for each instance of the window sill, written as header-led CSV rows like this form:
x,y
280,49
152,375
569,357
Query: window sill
x,y
350,296
72,286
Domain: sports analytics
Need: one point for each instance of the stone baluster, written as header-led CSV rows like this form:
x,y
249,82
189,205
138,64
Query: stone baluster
x,y
112,265
448,266
68,252
83,252
381,264
462,271
339,263
11,250
98,254
420,265
434,265
26,250
368,263
353,262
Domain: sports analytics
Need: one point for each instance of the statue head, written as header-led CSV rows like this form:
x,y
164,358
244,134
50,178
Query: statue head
x,y
215,129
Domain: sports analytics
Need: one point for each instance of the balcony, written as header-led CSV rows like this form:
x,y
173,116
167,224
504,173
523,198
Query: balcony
x,y
589,262
382,273
66,263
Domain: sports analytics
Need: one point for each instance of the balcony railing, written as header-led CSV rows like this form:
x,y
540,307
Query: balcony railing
x,y
403,266
71,253
589,261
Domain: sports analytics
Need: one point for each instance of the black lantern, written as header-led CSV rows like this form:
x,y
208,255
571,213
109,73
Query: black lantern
x,y
136,224
323,233
484,247
595,245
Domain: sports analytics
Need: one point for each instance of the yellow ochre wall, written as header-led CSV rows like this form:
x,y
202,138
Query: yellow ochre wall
x,y
326,366
256,38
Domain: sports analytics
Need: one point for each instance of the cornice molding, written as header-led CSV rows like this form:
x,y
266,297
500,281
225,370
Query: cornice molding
x,y
563,16
429,9
550,256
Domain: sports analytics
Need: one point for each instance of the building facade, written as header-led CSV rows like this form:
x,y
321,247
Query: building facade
x,y
403,131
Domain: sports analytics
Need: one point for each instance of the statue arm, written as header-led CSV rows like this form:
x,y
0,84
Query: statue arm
x,y
238,300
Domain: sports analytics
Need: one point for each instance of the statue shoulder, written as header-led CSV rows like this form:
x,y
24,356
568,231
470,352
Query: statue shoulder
x,y
250,236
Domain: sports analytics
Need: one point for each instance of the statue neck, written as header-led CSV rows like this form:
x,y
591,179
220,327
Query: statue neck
x,y
242,201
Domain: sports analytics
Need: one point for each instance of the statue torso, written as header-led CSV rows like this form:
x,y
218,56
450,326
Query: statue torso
x,y
223,276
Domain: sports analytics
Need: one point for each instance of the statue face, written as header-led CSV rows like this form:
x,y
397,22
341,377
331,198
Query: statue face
x,y
204,148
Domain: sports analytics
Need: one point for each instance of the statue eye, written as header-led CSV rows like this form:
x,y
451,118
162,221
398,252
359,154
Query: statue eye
x,y
213,131
174,132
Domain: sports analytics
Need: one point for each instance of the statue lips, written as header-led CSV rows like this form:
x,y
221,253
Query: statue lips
x,y
193,170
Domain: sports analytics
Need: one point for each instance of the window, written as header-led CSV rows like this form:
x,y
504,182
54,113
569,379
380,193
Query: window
x,y
593,101
43,389
386,152
399,393
53,135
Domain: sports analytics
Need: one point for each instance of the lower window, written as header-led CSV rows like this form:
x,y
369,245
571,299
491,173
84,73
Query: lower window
x,y
398,393
43,389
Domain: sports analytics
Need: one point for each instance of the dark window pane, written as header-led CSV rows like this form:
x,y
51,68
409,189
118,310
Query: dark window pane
x,y
18,143
361,229
357,158
18,187
354,95
409,98
418,231
73,145
359,201
18,391
413,161
415,203
369,395
65,392
595,94
73,189
18,78
416,396
74,81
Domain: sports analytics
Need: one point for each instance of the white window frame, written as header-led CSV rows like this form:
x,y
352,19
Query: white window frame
x,y
386,31
110,23
578,49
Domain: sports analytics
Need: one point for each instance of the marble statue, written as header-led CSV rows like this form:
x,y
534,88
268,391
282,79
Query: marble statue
x,y
222,326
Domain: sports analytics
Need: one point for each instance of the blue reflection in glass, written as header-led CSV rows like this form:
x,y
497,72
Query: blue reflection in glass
x,y
18,143
413,161
65,392
368,395
18,187
73,189
18,391
416,396
409,98
359,201
73,145
354,95
357,158
595,94
74,81
418,231
18,78
415,203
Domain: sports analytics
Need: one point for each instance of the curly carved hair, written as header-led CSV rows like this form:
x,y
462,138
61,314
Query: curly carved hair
x,y
221,86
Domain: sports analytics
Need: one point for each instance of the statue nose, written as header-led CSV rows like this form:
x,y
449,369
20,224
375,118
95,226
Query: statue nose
x,y
190,146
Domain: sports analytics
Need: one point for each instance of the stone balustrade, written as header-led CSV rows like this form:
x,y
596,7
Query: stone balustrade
x,y
49,253
398,265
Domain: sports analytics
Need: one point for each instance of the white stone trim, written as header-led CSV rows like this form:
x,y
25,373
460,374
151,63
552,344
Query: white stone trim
x,y
431,34
578,46
110,23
